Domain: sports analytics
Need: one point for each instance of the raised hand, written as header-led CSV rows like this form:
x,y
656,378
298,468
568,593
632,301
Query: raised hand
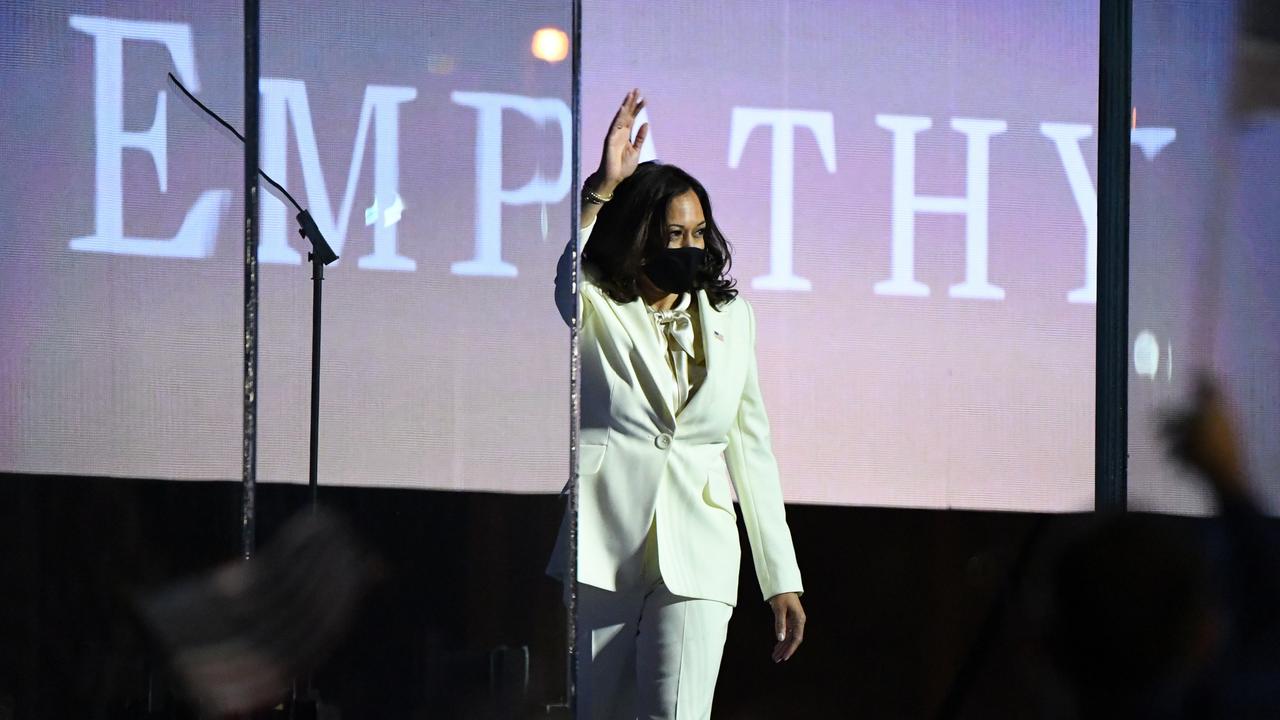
x,y
620,155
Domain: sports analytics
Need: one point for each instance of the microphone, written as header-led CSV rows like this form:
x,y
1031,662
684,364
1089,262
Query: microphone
x,y
310,231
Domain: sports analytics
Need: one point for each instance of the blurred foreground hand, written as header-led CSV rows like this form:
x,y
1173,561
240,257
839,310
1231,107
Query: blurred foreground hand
x,y
1203,436
238,636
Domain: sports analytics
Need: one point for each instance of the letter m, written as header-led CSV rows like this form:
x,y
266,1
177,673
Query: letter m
x,y
282,99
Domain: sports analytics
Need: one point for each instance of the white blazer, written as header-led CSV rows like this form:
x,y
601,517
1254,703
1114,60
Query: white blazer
x,y
639,459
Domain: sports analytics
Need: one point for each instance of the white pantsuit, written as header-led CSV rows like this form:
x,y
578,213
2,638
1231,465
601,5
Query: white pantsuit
x,y
646,653
656,520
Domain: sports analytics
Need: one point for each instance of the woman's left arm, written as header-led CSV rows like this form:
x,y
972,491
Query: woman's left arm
x,y
754,471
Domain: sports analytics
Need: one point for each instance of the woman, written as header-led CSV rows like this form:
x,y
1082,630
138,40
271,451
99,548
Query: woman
x,y
671,410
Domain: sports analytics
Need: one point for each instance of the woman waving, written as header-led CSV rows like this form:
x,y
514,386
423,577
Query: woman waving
x,y
671,415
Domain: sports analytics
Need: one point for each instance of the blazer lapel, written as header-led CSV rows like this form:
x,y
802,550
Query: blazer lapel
x,y
659,386
711,322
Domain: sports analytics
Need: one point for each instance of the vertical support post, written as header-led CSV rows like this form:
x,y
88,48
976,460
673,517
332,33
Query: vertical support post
x,y
249,447
1111,444
575,360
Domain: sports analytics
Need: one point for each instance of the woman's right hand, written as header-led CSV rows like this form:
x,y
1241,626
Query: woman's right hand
x,y
620,155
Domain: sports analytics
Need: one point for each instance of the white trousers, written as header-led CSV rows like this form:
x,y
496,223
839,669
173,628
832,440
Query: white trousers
x,y
645,653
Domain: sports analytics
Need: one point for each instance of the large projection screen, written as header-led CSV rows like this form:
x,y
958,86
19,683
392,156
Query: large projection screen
x,y
908,188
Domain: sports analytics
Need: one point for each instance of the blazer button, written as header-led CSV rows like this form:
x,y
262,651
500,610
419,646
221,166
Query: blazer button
x,y
663,441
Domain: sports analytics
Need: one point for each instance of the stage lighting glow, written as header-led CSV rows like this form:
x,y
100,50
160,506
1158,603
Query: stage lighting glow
x,y
1146,355
550,44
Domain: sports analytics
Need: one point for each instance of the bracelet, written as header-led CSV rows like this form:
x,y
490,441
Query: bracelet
x,y
590,196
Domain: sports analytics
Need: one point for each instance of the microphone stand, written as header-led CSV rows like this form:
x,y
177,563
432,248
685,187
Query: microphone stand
x,y
321,254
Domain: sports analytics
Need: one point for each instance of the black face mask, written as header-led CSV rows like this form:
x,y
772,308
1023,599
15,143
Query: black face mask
x,y
676,269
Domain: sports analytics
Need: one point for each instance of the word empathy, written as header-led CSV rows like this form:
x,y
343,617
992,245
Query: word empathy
x,y
285,100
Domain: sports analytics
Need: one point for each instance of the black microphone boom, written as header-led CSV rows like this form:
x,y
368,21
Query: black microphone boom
x,y
309,230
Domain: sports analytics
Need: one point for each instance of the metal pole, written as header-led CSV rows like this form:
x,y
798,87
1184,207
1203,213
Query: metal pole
x,y
249,447
1111,397
575,361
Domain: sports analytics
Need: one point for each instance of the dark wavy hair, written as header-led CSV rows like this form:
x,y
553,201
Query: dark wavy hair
x,y
631,228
